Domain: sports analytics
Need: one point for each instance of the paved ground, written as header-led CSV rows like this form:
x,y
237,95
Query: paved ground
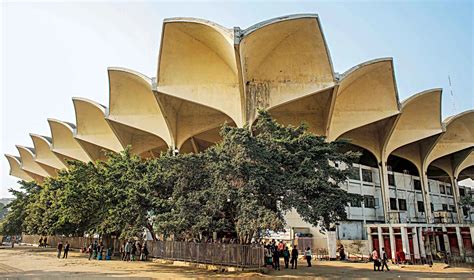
x,y
35,263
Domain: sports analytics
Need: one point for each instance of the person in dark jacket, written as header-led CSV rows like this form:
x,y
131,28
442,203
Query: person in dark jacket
x,y
384,259
276,259
294,258
286,256
66,250
60,248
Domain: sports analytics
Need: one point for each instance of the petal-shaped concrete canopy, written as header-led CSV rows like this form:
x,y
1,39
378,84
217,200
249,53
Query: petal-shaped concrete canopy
x,y
420,118
459,135
311,109
93,131
186,119
134,113
197,63
283,59
466,163
15,168
29,165
366,93
63,143
44,155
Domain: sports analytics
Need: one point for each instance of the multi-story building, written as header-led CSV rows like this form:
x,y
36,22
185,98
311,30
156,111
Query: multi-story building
x,y
208,74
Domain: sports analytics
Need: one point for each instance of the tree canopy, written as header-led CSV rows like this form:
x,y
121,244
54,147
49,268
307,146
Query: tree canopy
x,y
241,186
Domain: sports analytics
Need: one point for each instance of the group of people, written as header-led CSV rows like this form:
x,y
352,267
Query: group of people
x,y
60,248
274,251
96,251
43,242
379,261
133,250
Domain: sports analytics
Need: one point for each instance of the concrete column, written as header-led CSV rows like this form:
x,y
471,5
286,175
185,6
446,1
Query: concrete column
x,y
369,239
421,242
460,243
426,197
392,242
416,248
471,229
446,240
379,231
385,189
455,188
405,243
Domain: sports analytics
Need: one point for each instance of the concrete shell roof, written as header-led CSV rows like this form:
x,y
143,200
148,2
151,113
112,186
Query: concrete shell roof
x,y
63,144
28,163
15,168
93,132
209,74
366,93
420,118
459,135
44,154
134,113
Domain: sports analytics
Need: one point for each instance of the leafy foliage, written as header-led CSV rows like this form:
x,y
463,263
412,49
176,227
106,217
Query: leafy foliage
x,y
241,186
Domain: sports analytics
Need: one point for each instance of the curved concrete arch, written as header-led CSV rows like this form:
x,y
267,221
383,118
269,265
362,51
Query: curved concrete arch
x,y
197,62
311,109
29,165
201,141
420,118
466,163
44,155
134,113
283,59
15,168
64,146
459,135
93,132
366,93
187,119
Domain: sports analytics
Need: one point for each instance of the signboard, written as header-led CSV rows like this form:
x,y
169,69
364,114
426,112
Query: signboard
x,y
280,235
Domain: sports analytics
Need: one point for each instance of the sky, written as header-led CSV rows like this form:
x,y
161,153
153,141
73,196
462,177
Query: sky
x,y
53,51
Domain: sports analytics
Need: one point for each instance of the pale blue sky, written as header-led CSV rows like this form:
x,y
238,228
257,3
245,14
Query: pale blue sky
x,y
56,50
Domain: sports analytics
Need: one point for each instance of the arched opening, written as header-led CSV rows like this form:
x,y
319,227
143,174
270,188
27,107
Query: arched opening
x,y
401,165
366,158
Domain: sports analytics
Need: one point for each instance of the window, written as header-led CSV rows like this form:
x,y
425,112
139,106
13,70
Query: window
x,y
377,202
356,203
402,204
354,173
465,211
449,190
391,180
452,208
432,207
462,192
393,204
369,201
441,189
421,206
445,207
367,175
417,184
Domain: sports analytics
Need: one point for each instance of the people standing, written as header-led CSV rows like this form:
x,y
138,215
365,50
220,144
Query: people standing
x,y
122,250
375,258
66,250
144,252
45,241
127,251
95,248
91,250
384,260
286,256
40,242
276,259
133,251
308,256
60,248
294,258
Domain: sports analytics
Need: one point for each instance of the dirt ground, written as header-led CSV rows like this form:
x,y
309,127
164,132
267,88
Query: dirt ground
x,y
36,263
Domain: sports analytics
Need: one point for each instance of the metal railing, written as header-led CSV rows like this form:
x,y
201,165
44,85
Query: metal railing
x,y
248,256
